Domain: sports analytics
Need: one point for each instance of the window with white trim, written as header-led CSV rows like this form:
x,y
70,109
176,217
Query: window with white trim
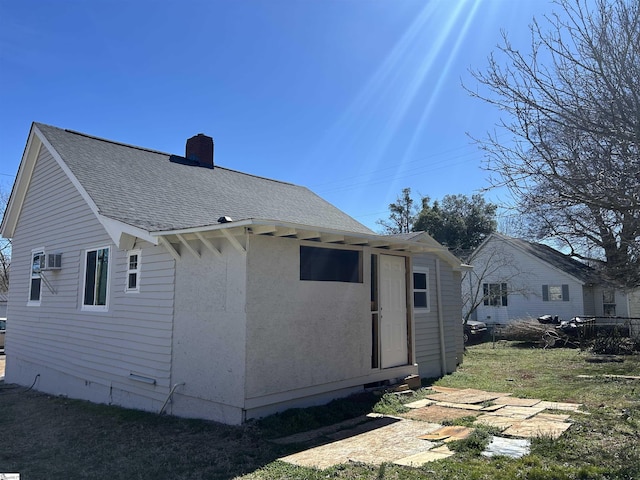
x,y
96,279
609,302
495,294
555,293
421,289
35,280
133,271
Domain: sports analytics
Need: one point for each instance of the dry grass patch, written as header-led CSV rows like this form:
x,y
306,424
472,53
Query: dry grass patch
x,y
53,437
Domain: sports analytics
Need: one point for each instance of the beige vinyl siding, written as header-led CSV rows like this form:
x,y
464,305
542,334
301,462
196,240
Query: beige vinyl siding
x,y
134,335
427,333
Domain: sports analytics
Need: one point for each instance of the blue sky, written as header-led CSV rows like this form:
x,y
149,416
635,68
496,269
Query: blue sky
x,y
355,99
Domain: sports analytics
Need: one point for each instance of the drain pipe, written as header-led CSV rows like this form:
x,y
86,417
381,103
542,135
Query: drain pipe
x,y
443,353
173,389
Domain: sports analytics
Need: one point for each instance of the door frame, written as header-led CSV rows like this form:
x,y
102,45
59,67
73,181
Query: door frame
x,y
376,277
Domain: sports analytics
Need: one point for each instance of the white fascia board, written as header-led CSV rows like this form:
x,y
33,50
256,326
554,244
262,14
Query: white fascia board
x,y
116,229
427,245
21,184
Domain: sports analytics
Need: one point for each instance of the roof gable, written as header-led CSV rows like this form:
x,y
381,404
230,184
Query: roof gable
x,y
558,260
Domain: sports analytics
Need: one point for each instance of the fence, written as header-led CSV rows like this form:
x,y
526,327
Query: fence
x,y
602,333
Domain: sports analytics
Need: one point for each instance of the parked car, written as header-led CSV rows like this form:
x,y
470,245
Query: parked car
x,y
3,327
474,331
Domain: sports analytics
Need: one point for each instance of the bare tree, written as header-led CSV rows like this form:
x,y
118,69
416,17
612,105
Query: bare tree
x,y
573,105
5,248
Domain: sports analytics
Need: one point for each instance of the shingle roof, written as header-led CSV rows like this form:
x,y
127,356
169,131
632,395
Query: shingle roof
x,y
142,188
573,267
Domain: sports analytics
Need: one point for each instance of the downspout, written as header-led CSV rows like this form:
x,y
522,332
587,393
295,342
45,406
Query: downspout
x,y
443,353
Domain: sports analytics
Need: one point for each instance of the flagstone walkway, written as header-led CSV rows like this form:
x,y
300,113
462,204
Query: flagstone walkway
x,y
419,437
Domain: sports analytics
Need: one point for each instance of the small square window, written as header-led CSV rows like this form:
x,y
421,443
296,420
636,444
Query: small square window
x,y
421,288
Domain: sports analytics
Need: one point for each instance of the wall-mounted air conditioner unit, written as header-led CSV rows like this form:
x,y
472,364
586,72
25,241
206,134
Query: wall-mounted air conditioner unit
x,y
51,261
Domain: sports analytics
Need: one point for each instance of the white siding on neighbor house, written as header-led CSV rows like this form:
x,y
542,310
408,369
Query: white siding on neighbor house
x,y
79,353
305,338
525,300
427,334
620,300
209,334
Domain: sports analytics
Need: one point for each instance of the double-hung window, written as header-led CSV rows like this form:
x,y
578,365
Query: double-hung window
x,y
35,284
555,293
495,294
96,279
133,271
421,288
609,302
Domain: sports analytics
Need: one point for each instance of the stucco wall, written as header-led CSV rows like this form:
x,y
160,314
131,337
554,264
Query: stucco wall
x,y
209,335
301,335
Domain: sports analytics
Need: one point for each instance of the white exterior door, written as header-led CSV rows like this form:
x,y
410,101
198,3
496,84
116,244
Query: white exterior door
x,y
394,348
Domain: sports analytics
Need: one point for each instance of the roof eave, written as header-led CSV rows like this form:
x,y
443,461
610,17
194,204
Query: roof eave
x,y
325,235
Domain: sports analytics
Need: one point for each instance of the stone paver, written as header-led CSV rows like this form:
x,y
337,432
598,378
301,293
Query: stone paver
x,y
516,402
468,395
403,441
496,421
386,444
448,434
535,427
419,403
420,459
571,407
331,429
517,412
437,414
461,406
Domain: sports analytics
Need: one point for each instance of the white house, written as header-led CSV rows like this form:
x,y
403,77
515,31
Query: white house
x,y
513,279
168,283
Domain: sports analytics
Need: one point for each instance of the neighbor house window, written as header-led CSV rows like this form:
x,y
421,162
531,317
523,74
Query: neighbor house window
x,y
330,264
35,285
421,288
609,302
495,294
96,278
133,271
555,293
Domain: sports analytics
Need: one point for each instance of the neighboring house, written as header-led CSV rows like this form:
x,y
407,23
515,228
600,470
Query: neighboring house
x,y
3,305
168,283
514,279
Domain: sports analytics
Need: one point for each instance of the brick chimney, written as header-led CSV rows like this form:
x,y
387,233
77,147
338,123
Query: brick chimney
x,y
200,150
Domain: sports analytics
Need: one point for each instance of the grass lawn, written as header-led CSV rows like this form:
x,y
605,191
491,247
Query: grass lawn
x,y
51,437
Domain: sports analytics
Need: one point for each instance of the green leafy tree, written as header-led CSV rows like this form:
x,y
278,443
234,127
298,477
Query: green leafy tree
x,y
459,222
571,153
